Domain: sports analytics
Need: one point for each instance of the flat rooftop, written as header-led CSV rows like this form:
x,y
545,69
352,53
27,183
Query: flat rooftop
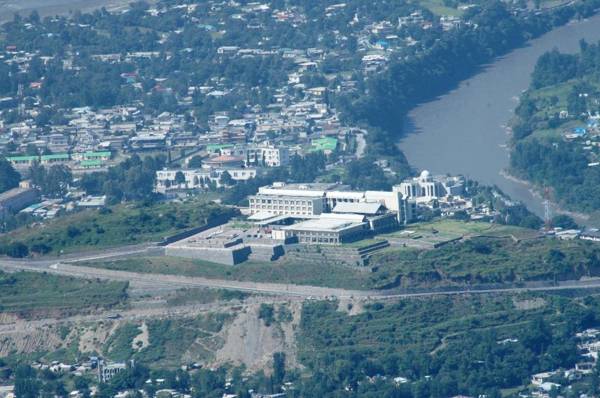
x,y
13,192
301,190
324,225
224,236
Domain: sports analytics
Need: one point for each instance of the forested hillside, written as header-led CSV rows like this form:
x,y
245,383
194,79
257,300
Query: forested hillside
x,y
555,132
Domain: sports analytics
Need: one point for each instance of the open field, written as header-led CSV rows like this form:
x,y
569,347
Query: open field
x,y
488,260
552,100
53,7
440,231
439,8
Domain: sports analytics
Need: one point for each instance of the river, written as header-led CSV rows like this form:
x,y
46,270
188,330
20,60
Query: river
x,y
464,131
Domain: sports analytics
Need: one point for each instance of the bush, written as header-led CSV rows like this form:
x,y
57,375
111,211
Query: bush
x,y
266,313
40,248
15,249
72,231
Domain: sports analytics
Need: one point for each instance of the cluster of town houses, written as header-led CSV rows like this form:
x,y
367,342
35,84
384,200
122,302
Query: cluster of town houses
x,y
557,382
298,115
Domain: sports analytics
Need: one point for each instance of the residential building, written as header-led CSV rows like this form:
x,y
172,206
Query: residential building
x,y
107,372
199,178
150,141
268,155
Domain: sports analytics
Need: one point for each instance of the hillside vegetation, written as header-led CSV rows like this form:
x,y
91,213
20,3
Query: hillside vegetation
x,y
442,346
488,260
29,294
123,224
478,260
555,141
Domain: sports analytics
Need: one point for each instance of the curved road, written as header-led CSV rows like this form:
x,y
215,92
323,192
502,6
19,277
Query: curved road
x,y
162,281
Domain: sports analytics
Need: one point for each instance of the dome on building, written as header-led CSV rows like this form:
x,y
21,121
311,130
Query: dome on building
x,y
425,176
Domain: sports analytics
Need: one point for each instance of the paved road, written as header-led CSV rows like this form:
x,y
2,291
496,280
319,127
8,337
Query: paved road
x,y
152,281
162,281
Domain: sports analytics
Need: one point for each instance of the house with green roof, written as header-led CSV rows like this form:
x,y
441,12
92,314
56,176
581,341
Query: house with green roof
x,y
102,155
22,160
55,158
91,163
216,148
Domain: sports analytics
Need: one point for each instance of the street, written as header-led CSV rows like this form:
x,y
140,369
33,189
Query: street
x,y
150,282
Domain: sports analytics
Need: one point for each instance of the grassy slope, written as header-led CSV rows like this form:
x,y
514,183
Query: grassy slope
x,y
441,230
437,7
489,260
30,293
280,272
124,224
494,258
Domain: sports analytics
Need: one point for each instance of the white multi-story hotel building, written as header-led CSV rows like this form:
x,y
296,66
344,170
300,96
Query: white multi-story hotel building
x,y
315,199
265,154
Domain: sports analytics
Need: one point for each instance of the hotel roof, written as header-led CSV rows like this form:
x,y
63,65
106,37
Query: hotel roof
x,y
323,225
370,208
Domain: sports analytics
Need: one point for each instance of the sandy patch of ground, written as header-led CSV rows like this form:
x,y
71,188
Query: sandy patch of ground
x,y
351,307
530,304
142,340
93,337
248,341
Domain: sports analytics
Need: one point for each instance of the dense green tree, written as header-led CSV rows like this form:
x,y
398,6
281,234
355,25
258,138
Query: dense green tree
x,y
195,162
226,179
9,177
179,178
563,221
554,67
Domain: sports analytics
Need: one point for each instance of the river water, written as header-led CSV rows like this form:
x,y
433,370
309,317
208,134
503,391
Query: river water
x,y
464,131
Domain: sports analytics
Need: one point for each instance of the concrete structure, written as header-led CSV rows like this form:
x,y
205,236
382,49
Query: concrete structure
x,y
314,199
16,199
225,161
268,155
227,245
286,205
264,154
427,188
329,228
149,141
199,178
107,372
